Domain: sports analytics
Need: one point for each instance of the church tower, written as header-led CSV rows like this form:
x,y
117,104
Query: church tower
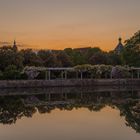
x,y
15,46
119,47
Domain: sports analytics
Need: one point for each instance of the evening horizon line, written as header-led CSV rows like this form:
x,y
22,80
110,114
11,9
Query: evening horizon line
x,y
23,46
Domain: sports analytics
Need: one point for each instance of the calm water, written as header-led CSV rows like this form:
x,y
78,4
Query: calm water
x,y
70,114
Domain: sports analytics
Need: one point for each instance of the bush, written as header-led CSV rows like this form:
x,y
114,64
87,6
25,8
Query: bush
x,y
120,72
11,73
42,75
1,75
83,68
101,71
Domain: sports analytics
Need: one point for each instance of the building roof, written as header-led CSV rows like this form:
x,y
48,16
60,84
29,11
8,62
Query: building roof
x,y
15,46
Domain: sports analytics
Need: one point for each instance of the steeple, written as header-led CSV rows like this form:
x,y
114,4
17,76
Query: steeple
x,y
119,47
120,40
15,46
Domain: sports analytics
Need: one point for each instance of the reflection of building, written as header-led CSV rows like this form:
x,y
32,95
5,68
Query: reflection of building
x,y
119,47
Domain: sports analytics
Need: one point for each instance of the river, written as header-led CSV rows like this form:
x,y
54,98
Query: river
x,y
103,113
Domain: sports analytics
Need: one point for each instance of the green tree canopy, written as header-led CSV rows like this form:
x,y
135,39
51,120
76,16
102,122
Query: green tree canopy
x,y
9,57
131,53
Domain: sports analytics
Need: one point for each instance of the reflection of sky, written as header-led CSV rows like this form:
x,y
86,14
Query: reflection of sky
x,y
78,124
68,23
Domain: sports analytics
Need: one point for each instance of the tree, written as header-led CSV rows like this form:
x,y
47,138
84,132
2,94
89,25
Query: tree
x,y
92,51
9,57
49,58
11,72
64,59
120,72
114,59
131,52
31,58
1,75
98,58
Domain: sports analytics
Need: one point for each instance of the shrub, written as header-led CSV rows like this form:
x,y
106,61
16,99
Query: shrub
x,y
120,72
11,72
1,75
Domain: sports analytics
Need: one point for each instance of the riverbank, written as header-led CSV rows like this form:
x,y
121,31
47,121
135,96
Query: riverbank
x,y
67,83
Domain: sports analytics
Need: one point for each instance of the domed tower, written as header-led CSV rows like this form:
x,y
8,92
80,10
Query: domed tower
x,y
15,46
119,47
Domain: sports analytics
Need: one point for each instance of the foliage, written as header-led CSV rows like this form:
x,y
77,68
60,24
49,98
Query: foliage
x,y
85,67
97,71
64,59
31,58
33,72
101,71
120,72
49,58
114,59
9,57
11,72
131,53
94,60
1,75
98,58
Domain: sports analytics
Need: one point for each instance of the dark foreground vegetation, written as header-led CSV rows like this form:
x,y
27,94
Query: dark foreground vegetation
x,y
12,62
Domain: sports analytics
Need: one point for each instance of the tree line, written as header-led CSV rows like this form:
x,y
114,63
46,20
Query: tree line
x,y
12,62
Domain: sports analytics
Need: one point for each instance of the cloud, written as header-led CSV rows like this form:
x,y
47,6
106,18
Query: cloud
x,y
25,46
5,43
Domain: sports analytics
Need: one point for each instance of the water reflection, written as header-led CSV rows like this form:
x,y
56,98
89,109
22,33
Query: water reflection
x,y
15,104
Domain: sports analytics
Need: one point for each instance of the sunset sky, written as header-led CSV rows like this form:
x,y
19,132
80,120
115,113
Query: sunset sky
x,y
58,24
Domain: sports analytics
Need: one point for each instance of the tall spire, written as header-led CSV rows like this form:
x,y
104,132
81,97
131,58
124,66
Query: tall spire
x,y
15,46
119,47
120,40
14,42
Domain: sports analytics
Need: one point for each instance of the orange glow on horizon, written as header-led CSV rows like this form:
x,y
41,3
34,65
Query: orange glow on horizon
x,y
60,24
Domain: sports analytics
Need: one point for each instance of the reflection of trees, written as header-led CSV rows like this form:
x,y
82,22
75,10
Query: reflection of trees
x,y
131,112
45,109
13,108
